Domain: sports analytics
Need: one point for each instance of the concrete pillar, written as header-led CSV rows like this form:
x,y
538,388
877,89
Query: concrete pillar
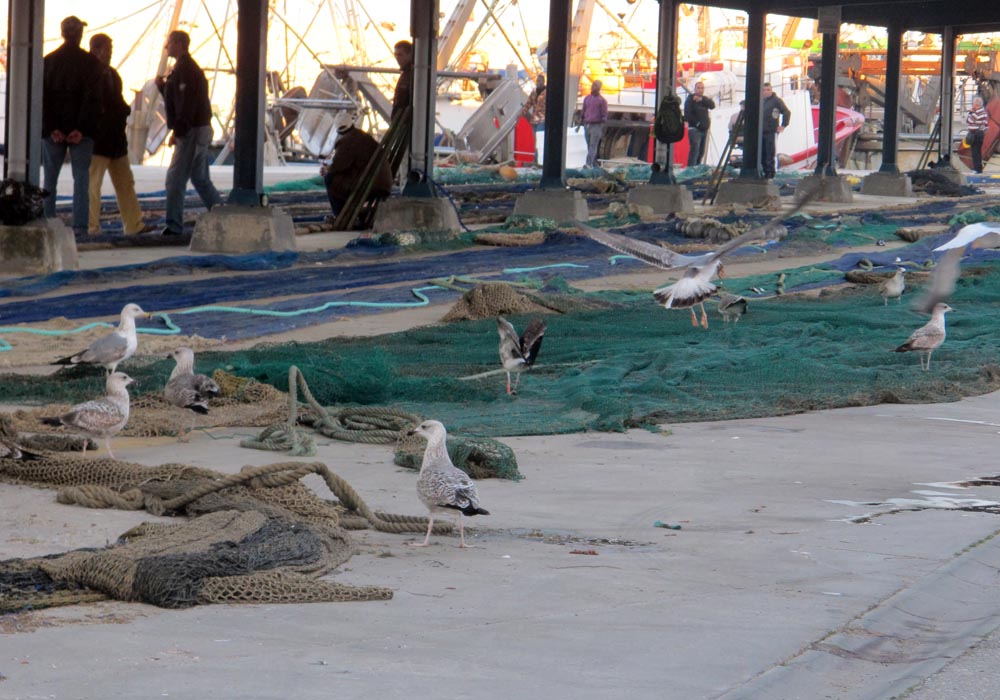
x,y
236,229
40,247
248,152
562,206
424,29
888,180
557,75
947,106
415,214
666,79
751,186
23,132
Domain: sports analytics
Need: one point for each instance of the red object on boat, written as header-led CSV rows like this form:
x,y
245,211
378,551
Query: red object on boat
x,y
524,143
990,142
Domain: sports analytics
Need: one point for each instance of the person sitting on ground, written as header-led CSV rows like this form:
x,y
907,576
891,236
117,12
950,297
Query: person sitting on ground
x,y
352,152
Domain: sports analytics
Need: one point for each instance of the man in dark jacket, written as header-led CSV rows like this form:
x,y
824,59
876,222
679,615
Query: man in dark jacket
x,y
189,116
696,108
111,147
353,149
70,111
774,115
402,96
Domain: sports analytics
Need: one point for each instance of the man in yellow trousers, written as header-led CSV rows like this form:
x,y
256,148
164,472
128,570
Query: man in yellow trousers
x,y
111,148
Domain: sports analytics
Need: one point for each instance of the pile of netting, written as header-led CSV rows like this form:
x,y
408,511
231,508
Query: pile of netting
x,y
627,362
259,536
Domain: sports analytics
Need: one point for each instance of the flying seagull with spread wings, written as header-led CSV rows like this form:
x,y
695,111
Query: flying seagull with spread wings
x,y
518,354
696,285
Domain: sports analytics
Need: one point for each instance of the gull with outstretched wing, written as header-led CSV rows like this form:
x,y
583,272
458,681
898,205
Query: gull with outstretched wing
x,y
696,285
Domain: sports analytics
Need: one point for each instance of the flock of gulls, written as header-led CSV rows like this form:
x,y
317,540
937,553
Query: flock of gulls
x,y
441,487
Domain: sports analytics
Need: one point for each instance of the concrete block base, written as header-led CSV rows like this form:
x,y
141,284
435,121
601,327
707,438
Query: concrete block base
x,y
415,214
887,185
40,247
744,191
830,188
955,176
240,229
563,206
664,199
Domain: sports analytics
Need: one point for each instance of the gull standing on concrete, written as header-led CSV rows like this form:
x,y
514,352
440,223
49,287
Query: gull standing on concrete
x,y
185,389
115,347
696,285
518,354
892,288
928,337
442,486
100,418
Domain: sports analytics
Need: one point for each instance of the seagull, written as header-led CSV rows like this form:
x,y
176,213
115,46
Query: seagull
x,y
100,418
731,306
443,487
892,288
115,347
696,285
928,337
185,389
985,234
518,354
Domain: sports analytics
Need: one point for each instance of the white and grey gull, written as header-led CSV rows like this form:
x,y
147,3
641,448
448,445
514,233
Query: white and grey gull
x,y
929,337
441,486
696,285
115,347
101,418
518,353
188,390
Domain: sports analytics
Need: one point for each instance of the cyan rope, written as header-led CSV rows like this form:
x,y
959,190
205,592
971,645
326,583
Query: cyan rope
x,y
174,329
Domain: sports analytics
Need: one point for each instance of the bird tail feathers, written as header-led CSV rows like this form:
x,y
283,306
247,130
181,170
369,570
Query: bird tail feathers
x,y
52,421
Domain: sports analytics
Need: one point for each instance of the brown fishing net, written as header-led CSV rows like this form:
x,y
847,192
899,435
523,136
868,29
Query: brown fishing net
x,y
492,299
257,536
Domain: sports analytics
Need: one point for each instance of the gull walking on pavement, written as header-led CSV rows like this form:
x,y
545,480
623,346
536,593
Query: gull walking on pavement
x,y
101,418
442,486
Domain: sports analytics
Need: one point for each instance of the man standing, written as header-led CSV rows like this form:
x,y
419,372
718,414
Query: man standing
x,y
402,96
189,116
70,110
978,120
594,115
111,147
696,108
772,109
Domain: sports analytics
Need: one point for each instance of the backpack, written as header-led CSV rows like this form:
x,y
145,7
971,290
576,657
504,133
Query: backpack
x,y
20,202
668,127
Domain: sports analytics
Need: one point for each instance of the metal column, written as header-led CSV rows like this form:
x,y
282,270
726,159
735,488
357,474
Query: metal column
x,y
890,125
947,93
826,148
666,82
558,105
248,151
424,29
752,124
23,132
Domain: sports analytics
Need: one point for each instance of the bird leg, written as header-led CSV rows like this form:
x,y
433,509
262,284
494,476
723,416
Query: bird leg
x,y
928,359
508,383
517,382
704,316
694,318
461,534
427,539
107,443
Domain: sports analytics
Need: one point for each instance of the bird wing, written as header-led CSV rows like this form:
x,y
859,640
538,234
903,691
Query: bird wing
x,y
206,386
97,416
447,487
510,344
108,348
762,230
531,340
654,255
942,285
975,233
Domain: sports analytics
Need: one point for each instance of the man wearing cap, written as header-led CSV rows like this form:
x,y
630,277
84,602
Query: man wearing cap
x,y
111,147
353,149
70,113
189,116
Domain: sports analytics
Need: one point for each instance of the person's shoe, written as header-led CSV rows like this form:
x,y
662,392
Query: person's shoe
x,y
171,232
